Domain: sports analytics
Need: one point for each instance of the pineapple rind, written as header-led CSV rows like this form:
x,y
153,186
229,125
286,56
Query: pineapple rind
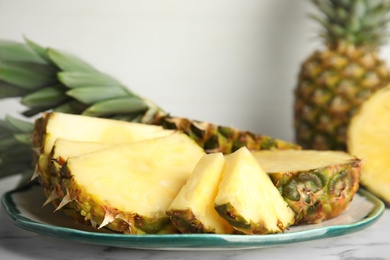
x,y
187,222
215,138
241,224
315,193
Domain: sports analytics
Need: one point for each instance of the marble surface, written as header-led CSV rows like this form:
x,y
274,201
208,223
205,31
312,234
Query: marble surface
x,y
16,243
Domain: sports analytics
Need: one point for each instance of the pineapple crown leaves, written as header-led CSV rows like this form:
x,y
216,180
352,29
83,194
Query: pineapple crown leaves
x,y
15,146
357,22
50,79
47,79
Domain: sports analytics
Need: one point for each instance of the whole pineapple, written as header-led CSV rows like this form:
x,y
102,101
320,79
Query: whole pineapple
x,y
335,81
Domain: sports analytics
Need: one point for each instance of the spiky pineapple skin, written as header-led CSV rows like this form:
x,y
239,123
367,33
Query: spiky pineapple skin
x,y
332,85
215,138
100,214
241,225
320,194
186,222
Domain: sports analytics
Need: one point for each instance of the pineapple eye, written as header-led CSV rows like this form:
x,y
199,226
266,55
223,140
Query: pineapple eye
x,y
340,183
212,143
268,144
303,186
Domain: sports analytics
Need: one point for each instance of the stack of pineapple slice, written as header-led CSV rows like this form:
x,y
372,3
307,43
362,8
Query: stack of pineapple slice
x,y
135,178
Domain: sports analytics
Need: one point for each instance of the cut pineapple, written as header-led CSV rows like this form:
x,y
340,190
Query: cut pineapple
x,y
247,198
317,185
61,151
90,129
52,126
128,188
192,211
368,138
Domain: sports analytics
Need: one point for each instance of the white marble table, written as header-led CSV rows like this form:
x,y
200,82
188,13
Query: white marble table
x,y
18,244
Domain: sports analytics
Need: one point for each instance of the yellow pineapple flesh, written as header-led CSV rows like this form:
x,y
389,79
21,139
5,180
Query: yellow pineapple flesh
x,y
368,138
248,199
128,188
83,128
54,125
192,211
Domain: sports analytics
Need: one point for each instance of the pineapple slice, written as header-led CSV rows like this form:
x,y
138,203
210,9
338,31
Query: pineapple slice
x,y
248,199
129,187
317,185
64,149
192,211
52,126
61,151
368,138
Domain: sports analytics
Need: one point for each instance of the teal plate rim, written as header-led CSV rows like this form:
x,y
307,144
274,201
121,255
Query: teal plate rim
x,y
186,241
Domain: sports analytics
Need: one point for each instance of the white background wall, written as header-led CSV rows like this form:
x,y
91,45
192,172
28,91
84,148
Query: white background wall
x,y
231,62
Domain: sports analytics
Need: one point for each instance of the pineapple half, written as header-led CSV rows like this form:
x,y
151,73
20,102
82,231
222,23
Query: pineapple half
x,y
192,211
317,185
368,138
248,199
129,187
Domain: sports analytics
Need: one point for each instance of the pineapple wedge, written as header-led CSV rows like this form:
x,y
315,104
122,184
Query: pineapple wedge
x,y
56,125
61,151
129,187
52,126
248,199
192,211
317,185
368,138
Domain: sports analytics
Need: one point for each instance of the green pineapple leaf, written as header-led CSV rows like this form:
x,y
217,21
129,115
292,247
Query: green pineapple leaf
x,y
45,97
9,90
77,79
126,105
18,52
25,75
92,95
16,153
39,50
20,125
69,62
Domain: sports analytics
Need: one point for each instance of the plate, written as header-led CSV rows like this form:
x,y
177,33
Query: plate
x,y
24,207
